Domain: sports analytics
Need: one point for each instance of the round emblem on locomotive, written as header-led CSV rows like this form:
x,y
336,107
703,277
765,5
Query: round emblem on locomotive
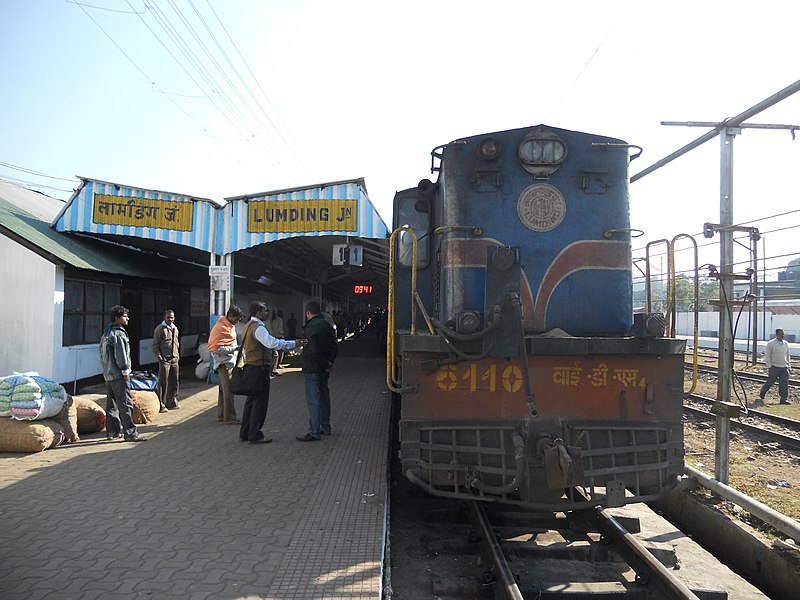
x,y
541,207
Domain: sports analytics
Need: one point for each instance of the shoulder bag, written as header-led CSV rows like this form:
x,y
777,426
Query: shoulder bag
x,y
247,380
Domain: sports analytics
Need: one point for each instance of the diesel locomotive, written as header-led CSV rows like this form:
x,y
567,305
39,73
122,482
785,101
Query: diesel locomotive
x,y
523,375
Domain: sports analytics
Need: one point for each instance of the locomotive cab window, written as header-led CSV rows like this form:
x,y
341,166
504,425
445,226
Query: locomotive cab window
x,y
414,213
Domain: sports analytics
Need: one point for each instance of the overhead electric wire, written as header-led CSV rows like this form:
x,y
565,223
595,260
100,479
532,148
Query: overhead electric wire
x,y
33,184
136,66
32,172
257,82
188,53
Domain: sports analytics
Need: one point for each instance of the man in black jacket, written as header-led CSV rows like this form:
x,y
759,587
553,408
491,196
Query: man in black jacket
x,y
318,357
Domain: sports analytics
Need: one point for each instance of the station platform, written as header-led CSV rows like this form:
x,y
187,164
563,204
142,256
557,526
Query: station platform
x,y
194,513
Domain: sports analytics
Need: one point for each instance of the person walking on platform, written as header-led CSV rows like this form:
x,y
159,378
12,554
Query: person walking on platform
x,y
317,359
166,347
778,361
222,345
115,360
257,344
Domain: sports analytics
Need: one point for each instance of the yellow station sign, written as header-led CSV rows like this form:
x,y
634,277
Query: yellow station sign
x,y
142,212
298,216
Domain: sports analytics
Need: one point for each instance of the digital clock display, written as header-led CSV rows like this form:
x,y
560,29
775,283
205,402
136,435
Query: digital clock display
x,y
362,289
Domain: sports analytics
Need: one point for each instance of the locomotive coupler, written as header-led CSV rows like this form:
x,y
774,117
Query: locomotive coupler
x,y
563,465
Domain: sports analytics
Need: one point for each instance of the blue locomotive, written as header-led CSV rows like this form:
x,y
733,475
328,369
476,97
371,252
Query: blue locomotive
x,y
523,375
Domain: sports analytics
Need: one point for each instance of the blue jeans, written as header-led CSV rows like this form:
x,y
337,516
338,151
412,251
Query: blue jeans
x,y
318,398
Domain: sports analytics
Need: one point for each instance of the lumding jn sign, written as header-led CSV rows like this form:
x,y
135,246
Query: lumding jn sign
x,y
300,216
142,212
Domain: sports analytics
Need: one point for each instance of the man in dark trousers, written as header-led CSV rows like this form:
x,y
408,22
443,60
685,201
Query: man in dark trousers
x,y
115,360
166,347
257,343
318,357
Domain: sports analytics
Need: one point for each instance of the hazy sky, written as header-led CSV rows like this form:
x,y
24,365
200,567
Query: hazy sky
x,y
220,98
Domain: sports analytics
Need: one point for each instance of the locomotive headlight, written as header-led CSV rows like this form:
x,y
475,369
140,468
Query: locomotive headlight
x,y
489,149
541,153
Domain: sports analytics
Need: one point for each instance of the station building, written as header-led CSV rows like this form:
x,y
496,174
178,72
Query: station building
x,y
66,263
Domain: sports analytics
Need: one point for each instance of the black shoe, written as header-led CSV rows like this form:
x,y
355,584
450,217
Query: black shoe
x,y
785,401
326,433
136,438
307,438
113,437
262,441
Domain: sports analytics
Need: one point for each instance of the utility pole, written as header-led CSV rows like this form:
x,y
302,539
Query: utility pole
x,y
726,131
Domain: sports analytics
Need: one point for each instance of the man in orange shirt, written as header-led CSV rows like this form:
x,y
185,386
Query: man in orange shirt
x,y
222,345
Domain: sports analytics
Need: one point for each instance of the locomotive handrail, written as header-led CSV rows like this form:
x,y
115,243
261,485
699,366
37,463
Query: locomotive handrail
x,y
696,303
647,284
475,229
391,369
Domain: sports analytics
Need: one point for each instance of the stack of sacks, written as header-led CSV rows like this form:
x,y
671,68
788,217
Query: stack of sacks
x,y
33,397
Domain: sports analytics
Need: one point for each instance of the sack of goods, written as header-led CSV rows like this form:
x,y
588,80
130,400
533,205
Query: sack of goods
x,y
145,406
91,416
30,397
29,436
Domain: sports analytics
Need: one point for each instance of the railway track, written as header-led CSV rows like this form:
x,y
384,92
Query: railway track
x,y
531,553
766,425
448,549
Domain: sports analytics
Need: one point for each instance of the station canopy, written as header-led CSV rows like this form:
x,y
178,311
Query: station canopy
x,y
328,234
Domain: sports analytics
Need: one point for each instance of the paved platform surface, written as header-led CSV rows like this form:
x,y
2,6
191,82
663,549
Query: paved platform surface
x,y
193,513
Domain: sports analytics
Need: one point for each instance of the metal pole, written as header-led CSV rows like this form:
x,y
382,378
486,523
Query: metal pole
x,y
754,301
725,356
734,122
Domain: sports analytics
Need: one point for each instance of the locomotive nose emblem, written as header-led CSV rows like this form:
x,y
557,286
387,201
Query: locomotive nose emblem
x,y
541,207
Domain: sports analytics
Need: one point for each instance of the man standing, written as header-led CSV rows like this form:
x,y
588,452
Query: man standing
x,y
291,327
257,344
166,347
115,360
222,344
318,358
778,361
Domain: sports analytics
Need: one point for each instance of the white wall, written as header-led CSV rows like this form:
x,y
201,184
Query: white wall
x,y
709,322
27,300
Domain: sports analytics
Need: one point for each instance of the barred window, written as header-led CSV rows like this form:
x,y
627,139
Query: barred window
x,y
86,306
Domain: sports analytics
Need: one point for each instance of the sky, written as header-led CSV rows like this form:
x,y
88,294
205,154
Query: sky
x,y
216,98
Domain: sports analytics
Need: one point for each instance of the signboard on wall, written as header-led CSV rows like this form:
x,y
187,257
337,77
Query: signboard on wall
x,y
142,212
293,216
220,278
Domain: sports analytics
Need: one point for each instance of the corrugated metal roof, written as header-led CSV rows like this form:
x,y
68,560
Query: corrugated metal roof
x,y
295,212
37,235
106,208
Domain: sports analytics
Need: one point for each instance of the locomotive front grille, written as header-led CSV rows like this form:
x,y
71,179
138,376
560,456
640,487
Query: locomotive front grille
x,y
620,464
643,459
448,458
